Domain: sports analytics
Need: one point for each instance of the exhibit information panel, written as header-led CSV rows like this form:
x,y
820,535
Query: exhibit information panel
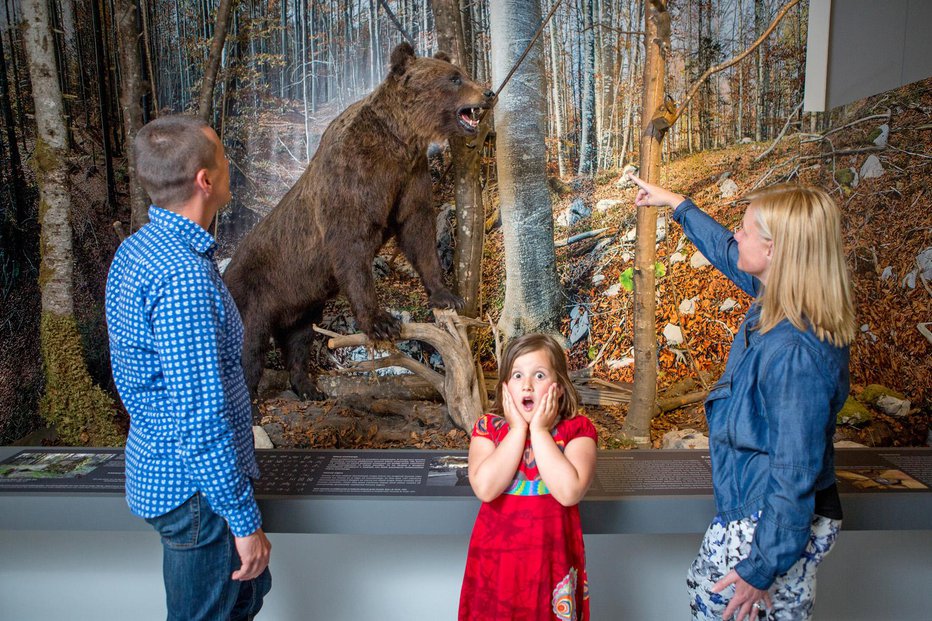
x,y
444,473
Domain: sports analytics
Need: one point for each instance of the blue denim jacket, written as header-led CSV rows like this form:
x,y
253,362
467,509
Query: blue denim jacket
x,y
771,418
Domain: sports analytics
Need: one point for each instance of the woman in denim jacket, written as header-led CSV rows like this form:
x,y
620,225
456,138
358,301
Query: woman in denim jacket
x,y
772,413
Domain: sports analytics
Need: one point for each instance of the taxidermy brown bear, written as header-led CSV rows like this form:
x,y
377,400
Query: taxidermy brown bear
x,y
367,181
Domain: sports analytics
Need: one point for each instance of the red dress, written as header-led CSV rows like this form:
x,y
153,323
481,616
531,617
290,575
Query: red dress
x,y
526,558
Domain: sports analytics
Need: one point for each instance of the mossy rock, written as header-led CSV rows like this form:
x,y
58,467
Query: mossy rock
x,y
854,413
872,392
874,135
845,176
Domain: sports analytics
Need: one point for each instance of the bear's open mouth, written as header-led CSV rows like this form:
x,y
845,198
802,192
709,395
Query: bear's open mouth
x,y
469,118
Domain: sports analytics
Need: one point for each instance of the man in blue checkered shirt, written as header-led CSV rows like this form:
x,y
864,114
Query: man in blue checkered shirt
x,y
176,347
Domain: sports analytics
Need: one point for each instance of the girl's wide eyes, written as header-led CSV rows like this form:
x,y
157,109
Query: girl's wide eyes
x,y
541,375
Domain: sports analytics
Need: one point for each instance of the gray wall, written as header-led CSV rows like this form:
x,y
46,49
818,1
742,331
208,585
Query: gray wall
x,y
52,575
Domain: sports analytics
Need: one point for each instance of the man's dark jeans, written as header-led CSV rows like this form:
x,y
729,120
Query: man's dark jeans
x,y
199,557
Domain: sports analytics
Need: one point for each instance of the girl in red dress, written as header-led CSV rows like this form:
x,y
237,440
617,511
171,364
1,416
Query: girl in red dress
x,y
530,462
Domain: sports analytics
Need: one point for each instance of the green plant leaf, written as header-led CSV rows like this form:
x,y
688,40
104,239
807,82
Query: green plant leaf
x,y
660,270
627,279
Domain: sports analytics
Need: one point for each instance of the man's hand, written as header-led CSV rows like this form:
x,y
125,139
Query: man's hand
x,y
253,553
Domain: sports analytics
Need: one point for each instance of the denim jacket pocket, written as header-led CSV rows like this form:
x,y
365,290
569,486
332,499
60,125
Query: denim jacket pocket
x,y
716,406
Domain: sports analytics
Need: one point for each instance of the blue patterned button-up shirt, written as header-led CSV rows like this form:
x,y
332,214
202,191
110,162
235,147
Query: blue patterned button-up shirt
x,y
176,349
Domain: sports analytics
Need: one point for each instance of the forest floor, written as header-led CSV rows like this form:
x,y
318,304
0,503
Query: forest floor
x,y
887,226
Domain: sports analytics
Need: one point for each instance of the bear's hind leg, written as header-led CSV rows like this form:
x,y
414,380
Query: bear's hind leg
x,y
295,343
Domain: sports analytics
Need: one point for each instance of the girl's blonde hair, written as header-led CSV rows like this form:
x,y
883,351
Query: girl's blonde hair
x,y
526,344
807,282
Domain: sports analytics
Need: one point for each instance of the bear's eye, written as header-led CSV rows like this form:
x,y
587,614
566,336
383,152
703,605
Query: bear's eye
x,y
456,80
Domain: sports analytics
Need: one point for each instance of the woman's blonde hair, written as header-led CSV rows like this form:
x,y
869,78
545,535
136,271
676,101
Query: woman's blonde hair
x,y
526,344
807,282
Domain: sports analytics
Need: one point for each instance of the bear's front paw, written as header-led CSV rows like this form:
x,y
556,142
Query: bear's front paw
x,y
445,299
384,328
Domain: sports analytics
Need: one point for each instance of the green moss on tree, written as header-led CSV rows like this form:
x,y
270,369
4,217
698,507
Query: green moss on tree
x,y
80,412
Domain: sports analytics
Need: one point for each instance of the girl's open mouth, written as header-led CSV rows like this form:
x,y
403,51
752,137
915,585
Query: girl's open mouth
x,y
527,403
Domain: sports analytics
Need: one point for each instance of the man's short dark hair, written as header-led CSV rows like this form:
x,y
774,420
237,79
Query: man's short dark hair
x,y
169,152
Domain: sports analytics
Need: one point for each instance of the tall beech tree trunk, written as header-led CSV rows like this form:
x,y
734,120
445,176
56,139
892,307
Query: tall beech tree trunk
x,y
16,186
205,100
587,138
467,154
131,94
533,297
80,411
644,393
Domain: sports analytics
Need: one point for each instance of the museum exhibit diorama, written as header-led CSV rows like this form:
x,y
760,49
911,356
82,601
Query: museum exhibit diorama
x,y
406,187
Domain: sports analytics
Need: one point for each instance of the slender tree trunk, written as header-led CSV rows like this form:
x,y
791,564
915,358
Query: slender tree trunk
x,y
533,297
131,95
81,412
644,393
205,100
470,214
587,136
555,94
103,99
17,185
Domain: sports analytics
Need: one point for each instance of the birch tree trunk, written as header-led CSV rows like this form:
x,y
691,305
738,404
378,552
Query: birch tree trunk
x,y
533,300
470,213
644,393
587,150
205,101
79,410
131,94
555,92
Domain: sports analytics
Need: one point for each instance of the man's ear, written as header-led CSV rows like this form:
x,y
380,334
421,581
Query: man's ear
x,y
203,182
401,56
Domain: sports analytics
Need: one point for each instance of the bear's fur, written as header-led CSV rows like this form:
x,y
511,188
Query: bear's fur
x,y
367,181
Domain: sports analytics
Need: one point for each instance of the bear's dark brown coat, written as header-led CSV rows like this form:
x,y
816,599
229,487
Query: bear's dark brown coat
x,y
367,181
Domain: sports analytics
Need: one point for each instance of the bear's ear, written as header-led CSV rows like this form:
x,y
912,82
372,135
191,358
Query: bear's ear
x,y
443,56
401,56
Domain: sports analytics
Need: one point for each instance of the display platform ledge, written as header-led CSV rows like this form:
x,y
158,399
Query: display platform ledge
x,y
423,492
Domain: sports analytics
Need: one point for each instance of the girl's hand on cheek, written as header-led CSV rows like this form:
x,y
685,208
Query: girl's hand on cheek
x,y
545,414
512,415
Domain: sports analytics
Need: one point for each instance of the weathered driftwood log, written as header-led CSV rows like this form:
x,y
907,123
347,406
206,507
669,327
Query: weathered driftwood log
x,y
459,385
352,422
400,387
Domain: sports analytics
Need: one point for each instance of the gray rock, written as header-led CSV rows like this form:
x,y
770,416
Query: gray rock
x,y
697,260
684,439
579,323
728,305
677,257
872,168
688,306
728,188
746,140
380,268
892,406
608,203
631,235
261,438
887,273
724,175
909,280
883,136
612,291
576,212
673,334
597,278
924,261
623,183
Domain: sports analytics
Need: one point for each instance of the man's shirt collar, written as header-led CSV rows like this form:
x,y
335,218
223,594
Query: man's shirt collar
x,y
188,230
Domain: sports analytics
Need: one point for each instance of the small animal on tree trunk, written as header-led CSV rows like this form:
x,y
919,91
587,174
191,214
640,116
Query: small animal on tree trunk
x,y
368,181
